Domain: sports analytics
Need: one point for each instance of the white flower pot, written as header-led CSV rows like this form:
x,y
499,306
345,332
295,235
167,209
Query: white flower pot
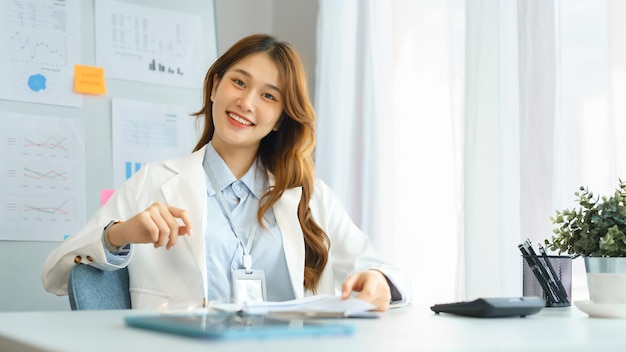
x,y
606,279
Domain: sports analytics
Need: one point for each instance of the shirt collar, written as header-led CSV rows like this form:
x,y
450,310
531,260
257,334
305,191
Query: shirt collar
x,y
255,179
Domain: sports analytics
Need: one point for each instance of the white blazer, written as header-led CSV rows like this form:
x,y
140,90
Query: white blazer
x,y
179,276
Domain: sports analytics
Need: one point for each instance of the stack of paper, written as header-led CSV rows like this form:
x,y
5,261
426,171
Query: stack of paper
x,y
319,306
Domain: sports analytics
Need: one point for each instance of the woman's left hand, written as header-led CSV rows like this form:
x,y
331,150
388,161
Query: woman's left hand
x,y
371,286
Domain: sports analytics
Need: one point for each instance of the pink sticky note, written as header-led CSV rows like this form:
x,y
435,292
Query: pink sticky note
x,y
105,194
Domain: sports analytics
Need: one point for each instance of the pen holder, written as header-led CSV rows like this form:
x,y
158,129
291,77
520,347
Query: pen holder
x,y
559,292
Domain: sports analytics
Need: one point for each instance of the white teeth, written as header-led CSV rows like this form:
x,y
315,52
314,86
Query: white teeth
x,y
240,120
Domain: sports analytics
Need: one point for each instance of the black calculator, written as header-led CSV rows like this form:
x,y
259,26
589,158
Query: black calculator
x,y
493,307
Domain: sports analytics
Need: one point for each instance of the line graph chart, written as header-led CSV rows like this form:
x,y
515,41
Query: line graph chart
x,y
40,41
39,32
52,52
48,143
51,175
52,144
46,209
42,177
33,176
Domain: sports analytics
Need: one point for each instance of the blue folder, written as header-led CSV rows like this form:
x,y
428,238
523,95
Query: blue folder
x,y
236,326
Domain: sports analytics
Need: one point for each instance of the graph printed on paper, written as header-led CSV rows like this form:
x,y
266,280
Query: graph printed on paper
x,y
42,177
40,42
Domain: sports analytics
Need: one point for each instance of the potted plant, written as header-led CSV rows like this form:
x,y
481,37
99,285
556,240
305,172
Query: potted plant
x,y
597,232
596,229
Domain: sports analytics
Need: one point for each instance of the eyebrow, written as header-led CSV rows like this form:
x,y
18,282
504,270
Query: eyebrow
x,y
247,74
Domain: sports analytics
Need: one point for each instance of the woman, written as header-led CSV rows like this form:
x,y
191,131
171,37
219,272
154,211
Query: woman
x,y
187,228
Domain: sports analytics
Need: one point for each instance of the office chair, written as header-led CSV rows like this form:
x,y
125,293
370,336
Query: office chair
x,y
90,288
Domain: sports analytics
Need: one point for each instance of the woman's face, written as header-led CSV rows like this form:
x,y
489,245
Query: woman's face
x,y
247,103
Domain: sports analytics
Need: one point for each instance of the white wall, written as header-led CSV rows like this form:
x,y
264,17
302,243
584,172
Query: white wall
x,y
294,21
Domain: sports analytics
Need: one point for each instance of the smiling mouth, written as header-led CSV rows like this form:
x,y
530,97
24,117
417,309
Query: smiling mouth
x,y
240,119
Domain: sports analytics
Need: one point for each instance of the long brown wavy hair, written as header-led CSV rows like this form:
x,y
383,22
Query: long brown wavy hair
x,y
286,153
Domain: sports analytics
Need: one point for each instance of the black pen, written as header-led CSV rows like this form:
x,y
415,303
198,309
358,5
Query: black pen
x,y
555,276
554,291
533,266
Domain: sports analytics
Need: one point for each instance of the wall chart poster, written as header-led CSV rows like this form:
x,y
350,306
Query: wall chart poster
x,y
42,180
149,45
40,43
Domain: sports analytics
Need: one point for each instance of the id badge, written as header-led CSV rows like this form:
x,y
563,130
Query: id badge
x,y
248,287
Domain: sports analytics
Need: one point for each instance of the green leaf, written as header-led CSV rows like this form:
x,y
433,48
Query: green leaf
x,y
597,227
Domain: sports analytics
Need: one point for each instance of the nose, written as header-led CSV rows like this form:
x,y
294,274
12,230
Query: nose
x,y
246,100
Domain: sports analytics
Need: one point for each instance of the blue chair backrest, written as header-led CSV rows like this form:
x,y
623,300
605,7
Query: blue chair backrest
x,y
90,288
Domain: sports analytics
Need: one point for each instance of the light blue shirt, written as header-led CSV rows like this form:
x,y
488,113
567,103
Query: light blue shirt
x,y
224,250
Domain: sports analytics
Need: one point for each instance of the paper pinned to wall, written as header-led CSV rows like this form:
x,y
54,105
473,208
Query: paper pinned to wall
x,y
42,180
150,45
40,43
144,132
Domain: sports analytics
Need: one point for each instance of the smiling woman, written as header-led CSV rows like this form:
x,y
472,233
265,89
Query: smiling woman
x,y
246,107
187,229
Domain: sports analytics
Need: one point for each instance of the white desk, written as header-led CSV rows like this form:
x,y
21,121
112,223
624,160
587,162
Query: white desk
x,y
413,328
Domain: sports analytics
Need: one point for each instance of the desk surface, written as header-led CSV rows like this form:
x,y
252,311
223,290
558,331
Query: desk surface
x,y
412,328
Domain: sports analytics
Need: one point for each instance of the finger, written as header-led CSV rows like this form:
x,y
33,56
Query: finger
x,y
173,228
348,286
367,291
179,223
163,229
367,287
375,290
184,217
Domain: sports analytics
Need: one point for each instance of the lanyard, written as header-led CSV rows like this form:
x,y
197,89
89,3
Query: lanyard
x,y
247,257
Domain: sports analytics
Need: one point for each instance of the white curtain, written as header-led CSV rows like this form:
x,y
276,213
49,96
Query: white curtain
x,y
452,130
589,146
491,190
390,107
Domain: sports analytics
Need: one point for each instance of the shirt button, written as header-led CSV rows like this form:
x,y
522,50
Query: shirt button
x,y
237,187
233,266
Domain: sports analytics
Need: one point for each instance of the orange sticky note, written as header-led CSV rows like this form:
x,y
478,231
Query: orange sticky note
x,y
89,80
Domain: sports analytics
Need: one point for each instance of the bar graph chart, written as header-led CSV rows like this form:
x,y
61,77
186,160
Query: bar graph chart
x,y
131,168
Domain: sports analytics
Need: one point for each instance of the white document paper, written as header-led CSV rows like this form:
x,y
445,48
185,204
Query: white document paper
x,y
146,44
42,177
318,306
40,43
144,132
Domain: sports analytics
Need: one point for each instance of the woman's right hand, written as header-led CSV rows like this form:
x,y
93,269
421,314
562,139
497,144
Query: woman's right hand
x,y
157,224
